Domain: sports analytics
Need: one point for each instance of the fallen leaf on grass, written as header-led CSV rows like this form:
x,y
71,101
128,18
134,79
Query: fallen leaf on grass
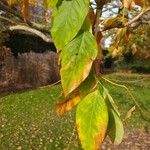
x,y
129,113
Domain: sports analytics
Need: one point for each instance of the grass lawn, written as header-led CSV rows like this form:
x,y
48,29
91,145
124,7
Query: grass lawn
x,y
28,120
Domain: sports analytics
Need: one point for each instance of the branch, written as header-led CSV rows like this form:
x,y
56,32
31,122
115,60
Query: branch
x,y
96,32
137,17
98,14
119,24
31,30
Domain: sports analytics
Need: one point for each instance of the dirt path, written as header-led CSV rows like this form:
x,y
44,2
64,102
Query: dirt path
x,y
134,140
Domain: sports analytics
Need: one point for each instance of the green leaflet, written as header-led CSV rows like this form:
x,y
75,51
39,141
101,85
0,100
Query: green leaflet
x,y
68,20
89,85
86,25
110,100
92,120
50,3
115,127
76,61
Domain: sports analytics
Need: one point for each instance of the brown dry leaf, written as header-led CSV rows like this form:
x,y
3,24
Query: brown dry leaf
x,y
116,22
129,113
129,4
141,2
25,10
91,15
120,36
132,6
24,6
32,2
100,137
12,2
116,52
127,35
18,2
68,104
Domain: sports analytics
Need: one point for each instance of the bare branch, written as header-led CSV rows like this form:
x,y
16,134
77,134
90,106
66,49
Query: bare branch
x,y
136,21
137,17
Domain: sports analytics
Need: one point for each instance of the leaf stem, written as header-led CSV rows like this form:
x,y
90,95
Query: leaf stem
x,y
96,30
131,95
96,24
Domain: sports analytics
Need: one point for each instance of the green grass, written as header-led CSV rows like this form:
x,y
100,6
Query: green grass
x,y
28,120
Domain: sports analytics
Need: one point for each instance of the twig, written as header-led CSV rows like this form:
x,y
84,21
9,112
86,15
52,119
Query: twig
x,y
131,95
132,81
133,20
51,85
138,16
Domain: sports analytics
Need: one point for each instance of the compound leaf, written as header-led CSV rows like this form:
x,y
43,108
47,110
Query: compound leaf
x,y
110,101
115,127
